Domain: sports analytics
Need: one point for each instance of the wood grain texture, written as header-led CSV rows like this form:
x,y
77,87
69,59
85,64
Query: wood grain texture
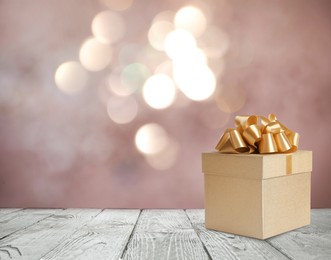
x,y
36,240
222,245
105,237
164,234
158,234
310,242
13,221
4,211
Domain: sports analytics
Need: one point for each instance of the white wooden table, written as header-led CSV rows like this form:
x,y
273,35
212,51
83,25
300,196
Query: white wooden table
x,y
147,234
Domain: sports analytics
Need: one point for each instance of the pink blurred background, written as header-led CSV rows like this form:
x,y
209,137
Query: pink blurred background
x,y
70,139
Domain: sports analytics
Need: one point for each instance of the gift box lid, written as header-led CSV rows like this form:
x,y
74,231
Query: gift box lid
x,y
256,166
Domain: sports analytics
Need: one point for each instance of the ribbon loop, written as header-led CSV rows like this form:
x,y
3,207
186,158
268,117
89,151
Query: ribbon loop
x,y
252,134
273,127
232,142
268,144
282,142
270,136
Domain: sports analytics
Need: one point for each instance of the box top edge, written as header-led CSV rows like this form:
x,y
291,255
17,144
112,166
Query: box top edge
x,y
256,154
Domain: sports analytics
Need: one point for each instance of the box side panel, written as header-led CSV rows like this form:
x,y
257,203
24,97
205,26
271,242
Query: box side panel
x,y
233,165
302,161
275,165
233,205
286,203
256,166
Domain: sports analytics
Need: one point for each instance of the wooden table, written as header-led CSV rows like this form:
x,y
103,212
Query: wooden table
x,y
147,234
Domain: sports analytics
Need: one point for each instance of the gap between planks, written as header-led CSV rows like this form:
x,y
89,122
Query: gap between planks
x,y
195,230
104,237
5,211
130,237
34,241
164,234
221,245
15,221
310,241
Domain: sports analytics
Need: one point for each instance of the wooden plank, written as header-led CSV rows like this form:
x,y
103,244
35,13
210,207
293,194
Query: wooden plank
x,y
164,234
4,211
310,242
16,220
222,245
105,237
36,240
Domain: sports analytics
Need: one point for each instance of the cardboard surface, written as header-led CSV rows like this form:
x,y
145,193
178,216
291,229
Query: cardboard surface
x,y
233,205
257,195
256,166
286,204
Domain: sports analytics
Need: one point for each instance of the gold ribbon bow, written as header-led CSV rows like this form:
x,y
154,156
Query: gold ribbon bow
x,y
270,136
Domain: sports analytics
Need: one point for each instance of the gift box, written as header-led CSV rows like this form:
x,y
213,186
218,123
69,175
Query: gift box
x,y
257,195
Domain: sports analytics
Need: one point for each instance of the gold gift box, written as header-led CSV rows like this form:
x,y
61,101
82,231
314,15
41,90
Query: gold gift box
x,y
257,195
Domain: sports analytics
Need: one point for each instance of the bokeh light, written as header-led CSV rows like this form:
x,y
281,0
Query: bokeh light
x,y
95,56
179,43
158,33
196,56
70,108
159,91
122,110
164,68
134,76
196,81
167,16
118,5
166,158
108,27
191,19
150,57
217,66
115,85
71,77
151,139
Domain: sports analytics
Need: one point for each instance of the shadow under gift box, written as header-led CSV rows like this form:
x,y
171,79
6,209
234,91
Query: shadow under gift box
x,y
257,195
